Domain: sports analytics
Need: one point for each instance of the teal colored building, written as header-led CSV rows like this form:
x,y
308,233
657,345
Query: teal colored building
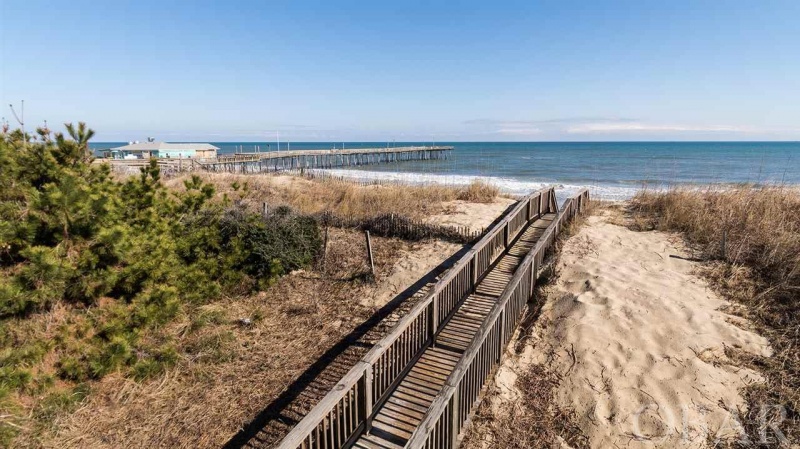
x,y
167,150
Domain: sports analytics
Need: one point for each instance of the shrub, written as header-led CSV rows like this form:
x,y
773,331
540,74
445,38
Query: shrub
x,y
72,369
109,357
155,363
60,401
127,257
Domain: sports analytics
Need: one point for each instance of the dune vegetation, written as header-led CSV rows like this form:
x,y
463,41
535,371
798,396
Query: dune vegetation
x,y
750,239
92,269
345,198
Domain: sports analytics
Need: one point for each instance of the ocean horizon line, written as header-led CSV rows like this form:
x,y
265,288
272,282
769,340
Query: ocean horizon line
x,y
457,141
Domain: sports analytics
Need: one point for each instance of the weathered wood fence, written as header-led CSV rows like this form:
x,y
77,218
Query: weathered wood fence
x,y
391,225
323,175
347,410
448,417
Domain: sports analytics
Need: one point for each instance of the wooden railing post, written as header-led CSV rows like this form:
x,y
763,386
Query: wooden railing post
x,y
530,209
434,317
454,418
368,400
474,271
533,278
541,206
502,323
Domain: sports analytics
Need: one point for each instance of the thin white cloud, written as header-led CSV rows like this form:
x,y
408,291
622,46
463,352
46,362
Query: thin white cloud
x,y
504,127
614,127
544,122
618,126
518,131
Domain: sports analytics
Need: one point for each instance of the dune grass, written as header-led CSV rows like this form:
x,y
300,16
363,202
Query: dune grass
x,y
344,198
750,238
478,192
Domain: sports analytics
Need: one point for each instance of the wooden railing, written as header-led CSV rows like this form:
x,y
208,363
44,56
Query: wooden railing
x,y
250,157
347,410
443,424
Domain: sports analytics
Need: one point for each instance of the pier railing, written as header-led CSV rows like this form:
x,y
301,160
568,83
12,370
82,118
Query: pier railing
x,y
318,159
347,410
443,424
283,161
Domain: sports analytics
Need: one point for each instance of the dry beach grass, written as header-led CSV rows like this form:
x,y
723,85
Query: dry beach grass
x,y
238,355
750,240
345,198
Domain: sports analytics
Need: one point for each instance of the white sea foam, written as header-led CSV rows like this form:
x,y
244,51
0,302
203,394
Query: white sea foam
x,y
507,185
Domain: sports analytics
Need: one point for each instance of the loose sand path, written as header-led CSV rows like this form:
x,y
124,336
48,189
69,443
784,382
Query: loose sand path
x,y
640,342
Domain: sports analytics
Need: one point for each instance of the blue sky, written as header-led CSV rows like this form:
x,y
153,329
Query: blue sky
x,y
377,71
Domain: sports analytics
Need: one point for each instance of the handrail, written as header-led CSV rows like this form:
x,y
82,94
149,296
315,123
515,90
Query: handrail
x,y
442,424
348,408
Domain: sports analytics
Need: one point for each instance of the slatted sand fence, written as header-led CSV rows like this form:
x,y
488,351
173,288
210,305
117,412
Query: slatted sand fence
x,y
350,408
446,419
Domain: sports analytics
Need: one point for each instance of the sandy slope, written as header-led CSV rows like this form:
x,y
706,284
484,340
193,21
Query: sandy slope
x,y
424,256
412,264
475,216
640,341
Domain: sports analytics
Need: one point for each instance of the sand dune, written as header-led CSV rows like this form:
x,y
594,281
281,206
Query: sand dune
x,y
640,341
411,265
475,216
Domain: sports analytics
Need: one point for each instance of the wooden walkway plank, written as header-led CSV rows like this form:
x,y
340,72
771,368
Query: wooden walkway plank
x,y
402,392
404,410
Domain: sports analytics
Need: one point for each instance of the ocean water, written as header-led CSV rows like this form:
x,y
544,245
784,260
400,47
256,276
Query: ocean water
x,y
612,170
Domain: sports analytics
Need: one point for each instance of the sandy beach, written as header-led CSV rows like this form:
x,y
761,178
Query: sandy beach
x,y
639,341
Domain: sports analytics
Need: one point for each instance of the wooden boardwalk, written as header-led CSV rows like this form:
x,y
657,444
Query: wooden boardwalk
x,y
403,411
419,385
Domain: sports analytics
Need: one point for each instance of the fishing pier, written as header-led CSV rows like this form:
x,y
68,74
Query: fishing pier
x,y
274,161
